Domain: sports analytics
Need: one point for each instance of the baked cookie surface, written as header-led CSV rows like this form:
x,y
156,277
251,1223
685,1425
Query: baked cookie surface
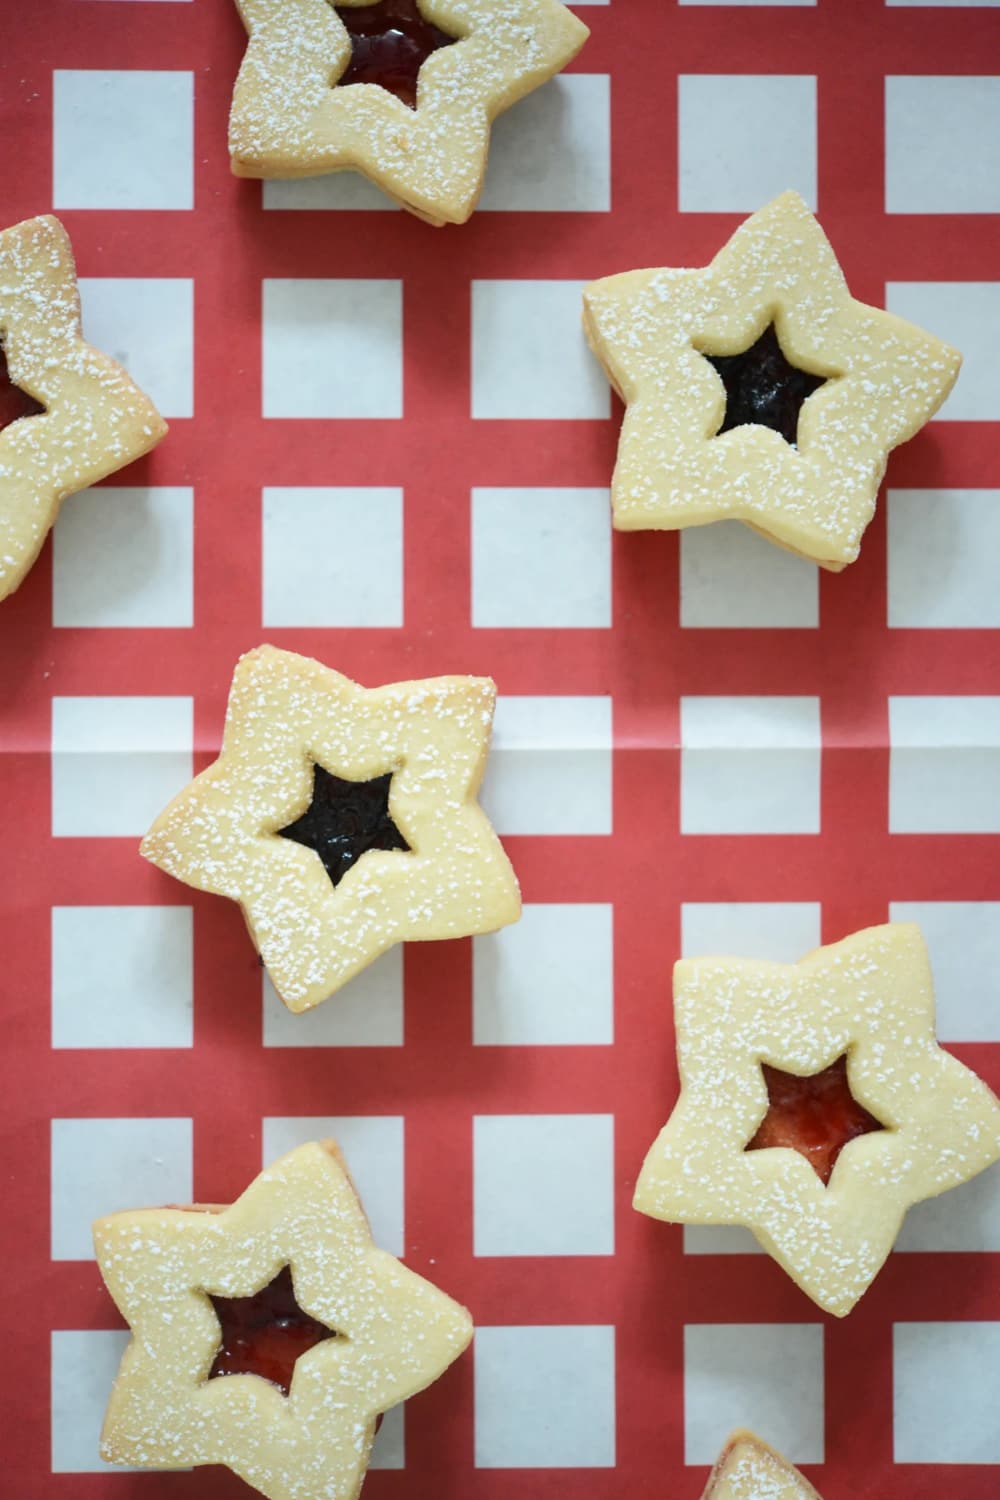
x,y
758,389
822,1179
69,415
342,819
298,112
289,1402
748,1469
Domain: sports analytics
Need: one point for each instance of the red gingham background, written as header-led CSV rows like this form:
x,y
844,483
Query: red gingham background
x,y
228,1081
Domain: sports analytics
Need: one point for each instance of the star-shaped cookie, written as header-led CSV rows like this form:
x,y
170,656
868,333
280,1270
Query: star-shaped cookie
x,y
83,415
869,997
289,119
748,1469
415,858
171,1271
685,458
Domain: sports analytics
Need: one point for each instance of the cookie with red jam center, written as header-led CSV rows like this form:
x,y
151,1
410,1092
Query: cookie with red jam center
x,y
817,1116
269,1335
816,1107
390,42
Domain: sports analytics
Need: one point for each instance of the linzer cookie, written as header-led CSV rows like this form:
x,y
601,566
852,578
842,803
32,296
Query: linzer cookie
x,y
69,415
269,1335
759,390
342,819
748,1469
816,1107
403,91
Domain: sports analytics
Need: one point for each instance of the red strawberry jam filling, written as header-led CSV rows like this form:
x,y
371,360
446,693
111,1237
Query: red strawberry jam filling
x,y
14,403
344,820
265,1334
762,387
390,42
815,1116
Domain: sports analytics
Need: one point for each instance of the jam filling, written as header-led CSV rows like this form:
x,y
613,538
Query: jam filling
x,y
265,1334
815,1116
344,820
14,403
763,388
390,42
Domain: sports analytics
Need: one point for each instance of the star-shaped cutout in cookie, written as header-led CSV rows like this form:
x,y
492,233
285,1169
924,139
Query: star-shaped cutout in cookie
x,y
93,418
869,997
878,379
290,117
395,1332
228,831
748,1469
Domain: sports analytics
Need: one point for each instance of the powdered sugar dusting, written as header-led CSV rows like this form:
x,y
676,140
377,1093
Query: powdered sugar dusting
x,y
397,1333
288,120
749,1470
885,378
96,419
869,996
287,712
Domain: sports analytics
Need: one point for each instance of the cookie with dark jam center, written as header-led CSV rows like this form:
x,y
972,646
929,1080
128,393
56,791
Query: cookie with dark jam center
x,y
344,820
390,42
763,388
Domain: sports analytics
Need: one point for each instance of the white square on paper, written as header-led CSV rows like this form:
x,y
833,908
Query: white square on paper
x,y
942,145
548,980
765,1376
781,931
122,139
116,763
545,1397
334,190
122,976
549,770
965,1218
743,138
368,1012
544,1184
553,152
147,325
529,354
541,558
943,546
102,1166
84,1364
719,1239
124,557
964,942
389,1447
333,557
733,578
373,1149
944,1396
332,348
966,315
944,765
750,765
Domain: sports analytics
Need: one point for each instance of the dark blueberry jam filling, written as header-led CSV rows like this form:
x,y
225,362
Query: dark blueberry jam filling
x,y
344,820
763,388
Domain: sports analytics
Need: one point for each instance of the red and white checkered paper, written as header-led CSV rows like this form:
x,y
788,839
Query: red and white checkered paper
x,y
607,1350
